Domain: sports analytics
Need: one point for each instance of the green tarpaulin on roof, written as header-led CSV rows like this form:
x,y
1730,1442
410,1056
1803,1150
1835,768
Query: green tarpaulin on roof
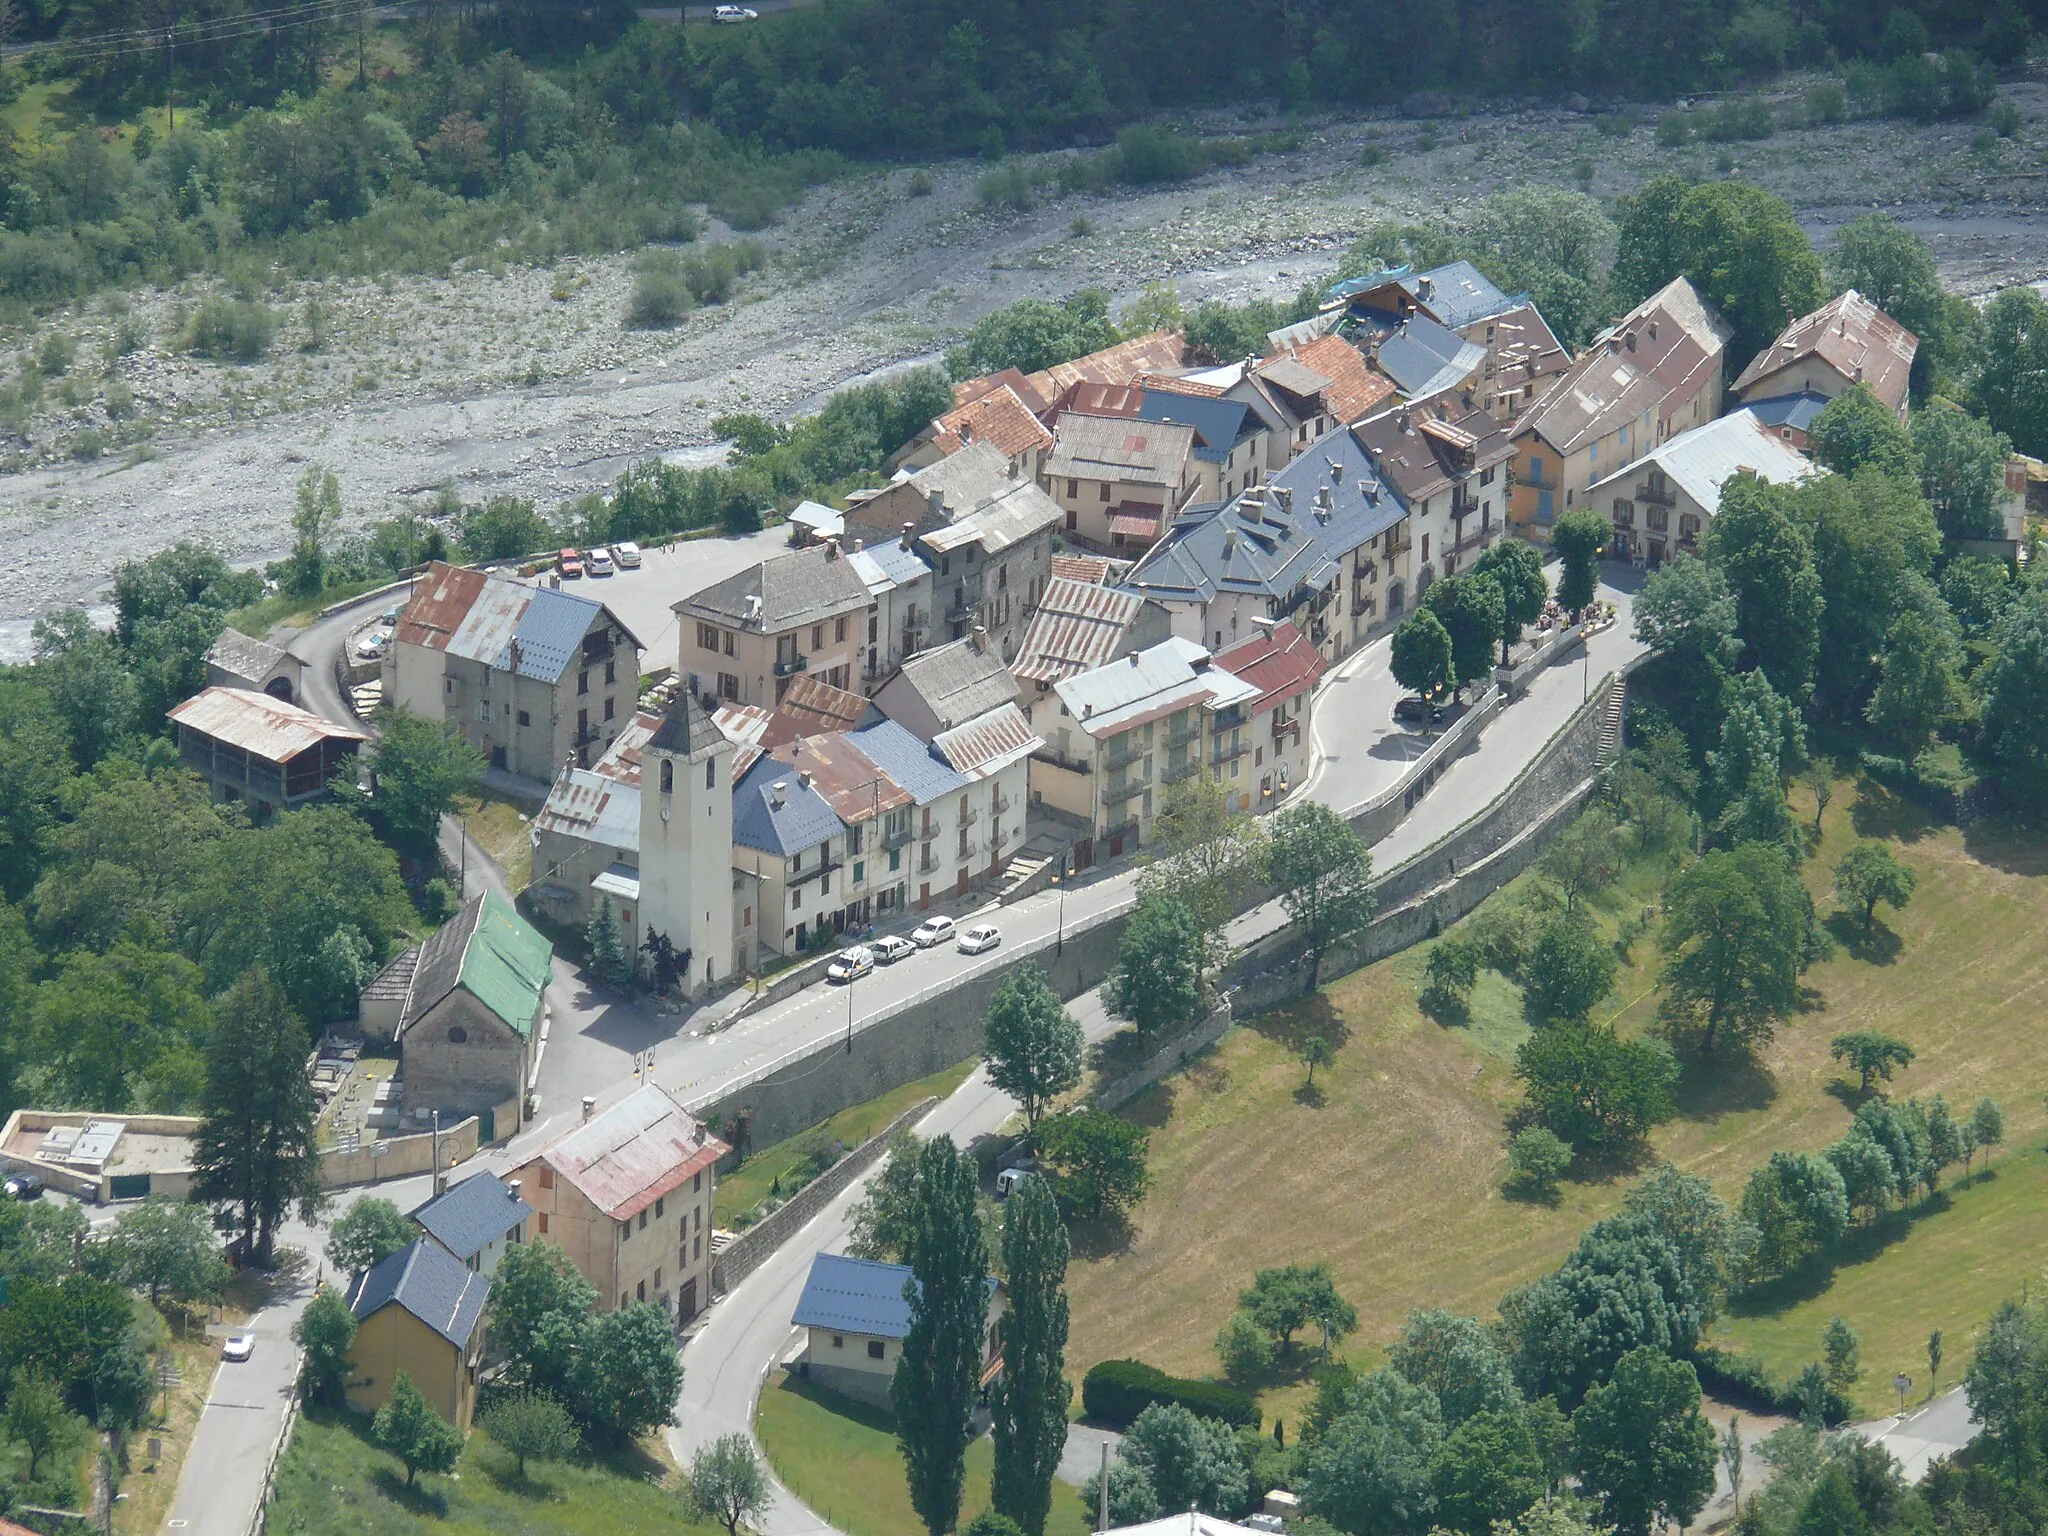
x,y
508,964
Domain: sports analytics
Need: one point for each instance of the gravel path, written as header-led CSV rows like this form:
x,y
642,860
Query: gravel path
x,y
523,381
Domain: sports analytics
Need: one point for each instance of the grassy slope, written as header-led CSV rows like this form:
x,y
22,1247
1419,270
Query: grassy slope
x,y
334,1482
743,1189
1392,1175
840,1458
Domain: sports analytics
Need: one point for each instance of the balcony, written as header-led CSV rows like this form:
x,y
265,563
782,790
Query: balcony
x,y
1117,794
1463,503
1226,754
1061,761
1180,771
967,818
895,837
962,604
1227,719
996,838
1394,551
1181,735
792,666
1282,727
1002,803
1657,495
1364,603
1121,757
927,865
1479,538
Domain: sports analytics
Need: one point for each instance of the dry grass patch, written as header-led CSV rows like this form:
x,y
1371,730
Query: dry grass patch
x,y
1392,1175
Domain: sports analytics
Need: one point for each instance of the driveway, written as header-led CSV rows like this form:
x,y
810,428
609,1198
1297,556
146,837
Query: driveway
x,y
1923,1435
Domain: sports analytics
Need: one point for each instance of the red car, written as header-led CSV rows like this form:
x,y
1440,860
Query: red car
x,y
569,562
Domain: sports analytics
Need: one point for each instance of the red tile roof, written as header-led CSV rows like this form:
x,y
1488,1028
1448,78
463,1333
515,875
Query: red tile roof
x,y
1090,570
1155,352
1280,665
1354,387
1174,385
969,390
998,417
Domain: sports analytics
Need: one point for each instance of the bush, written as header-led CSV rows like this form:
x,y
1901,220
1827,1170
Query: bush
x,y
1743,1381
55,355
1825,102
921,184
1674,129
1117,1391
231,330
2005,118
1244,1348
661,296
1537,1159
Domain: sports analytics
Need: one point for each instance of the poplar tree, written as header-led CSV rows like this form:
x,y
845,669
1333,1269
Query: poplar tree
x,y
933,1392
1030,1398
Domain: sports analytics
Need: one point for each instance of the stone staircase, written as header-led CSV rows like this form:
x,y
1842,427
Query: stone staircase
x,y
1020,873
1610,722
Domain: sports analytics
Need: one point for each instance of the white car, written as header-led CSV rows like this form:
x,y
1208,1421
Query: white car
x,y
933,930
849,964
892,947
732,13
370,647
627,553
239,1346
978,938
599,563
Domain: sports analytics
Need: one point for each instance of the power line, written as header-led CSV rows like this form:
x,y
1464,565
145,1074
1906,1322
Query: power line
x,y
219,29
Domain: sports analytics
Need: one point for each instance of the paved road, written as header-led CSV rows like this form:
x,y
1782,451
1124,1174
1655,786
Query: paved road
x,y
1925,1434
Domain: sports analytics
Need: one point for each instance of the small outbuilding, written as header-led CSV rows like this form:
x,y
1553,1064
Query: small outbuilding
x,y
252,747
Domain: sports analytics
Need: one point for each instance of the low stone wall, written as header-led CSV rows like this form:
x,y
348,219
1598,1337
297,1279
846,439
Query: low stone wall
x,y
1170,1057
1373,819
398,1157
1514,681
751,1247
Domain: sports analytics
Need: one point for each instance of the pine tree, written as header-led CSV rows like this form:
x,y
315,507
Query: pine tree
x,y
608,955
256,1141
1030,1398
933,1393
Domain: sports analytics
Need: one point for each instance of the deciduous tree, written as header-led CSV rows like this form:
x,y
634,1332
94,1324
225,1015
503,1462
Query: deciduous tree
x,y
1518,571
1323,876
1578,539
417,768
168,1247
728,1483
1867,874
1962,469
1857,430
1769,567
1457,1358
1567,973
533,1426
1421,658
410,1428
1644,1449
1582,858
1872,1055
1289,1298
1097,1161
1920,680
1474,614
1595,1091
366,1234
2014,681
1191,1462
1737,933
1156,981
326,1331
35,1417
628,1374
1031,1043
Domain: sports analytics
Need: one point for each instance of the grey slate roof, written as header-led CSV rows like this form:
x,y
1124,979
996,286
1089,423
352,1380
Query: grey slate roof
x,y
1425,359
688,727
470,1216
915,766
803,820
245,656
423,1279
1460,294
1795,411
957,682
440,964
849,1295
1221,422
800,587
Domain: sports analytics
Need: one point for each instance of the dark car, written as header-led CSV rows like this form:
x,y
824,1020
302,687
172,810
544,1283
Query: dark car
x,y
1415,710
23,1186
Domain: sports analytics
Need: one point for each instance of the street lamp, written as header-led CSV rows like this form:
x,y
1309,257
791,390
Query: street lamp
x,y
1059,943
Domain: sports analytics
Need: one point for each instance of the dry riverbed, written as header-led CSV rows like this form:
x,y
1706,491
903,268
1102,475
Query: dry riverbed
x,y
525,381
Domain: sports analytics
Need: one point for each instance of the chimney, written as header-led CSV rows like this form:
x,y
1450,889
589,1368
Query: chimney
x,y
1653,328
1631,339
589,1108
512,1186
908,529
1405,420
1613,346
1134,658
803,777
936,500
832,548
1285,498
1087,710
859,545
978,639
1229,542
780,789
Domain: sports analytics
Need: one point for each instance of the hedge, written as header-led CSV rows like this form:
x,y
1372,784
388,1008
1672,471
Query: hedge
x,y
1743,1380
1117,1391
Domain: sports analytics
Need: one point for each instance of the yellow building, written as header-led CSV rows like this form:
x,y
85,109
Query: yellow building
x,y
419,1313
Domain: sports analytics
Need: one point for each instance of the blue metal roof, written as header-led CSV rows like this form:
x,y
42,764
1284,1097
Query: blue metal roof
x,y
915,765
433,1287
849,1295
472,1215
803,820
550,633
1796,411
1220,422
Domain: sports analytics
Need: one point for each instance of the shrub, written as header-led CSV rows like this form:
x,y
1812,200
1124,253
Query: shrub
x,y
87,443
921,184
1537,1159
1244,1348
55,355
231,330
1743,1381
1117,1391
661,295
1825,102
2005,118
1674,129
1371,156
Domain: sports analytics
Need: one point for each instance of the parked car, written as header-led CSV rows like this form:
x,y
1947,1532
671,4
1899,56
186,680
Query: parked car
x,y
893,947
240,1346
569,563
933,930
371,646
599,563
730,14
627,553
24,1186
980,937
1418,711
391,615
850,964
1008,1180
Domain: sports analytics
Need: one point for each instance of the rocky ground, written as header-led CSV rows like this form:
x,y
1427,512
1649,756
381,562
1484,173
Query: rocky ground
x,y
526,381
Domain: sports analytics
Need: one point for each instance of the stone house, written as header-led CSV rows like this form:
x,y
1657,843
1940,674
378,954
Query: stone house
x,y
237,660
746,637
627,1195
472,1018
533,676
1119,481
1846,342
1448,462
1655,373
419,1312
1661,503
